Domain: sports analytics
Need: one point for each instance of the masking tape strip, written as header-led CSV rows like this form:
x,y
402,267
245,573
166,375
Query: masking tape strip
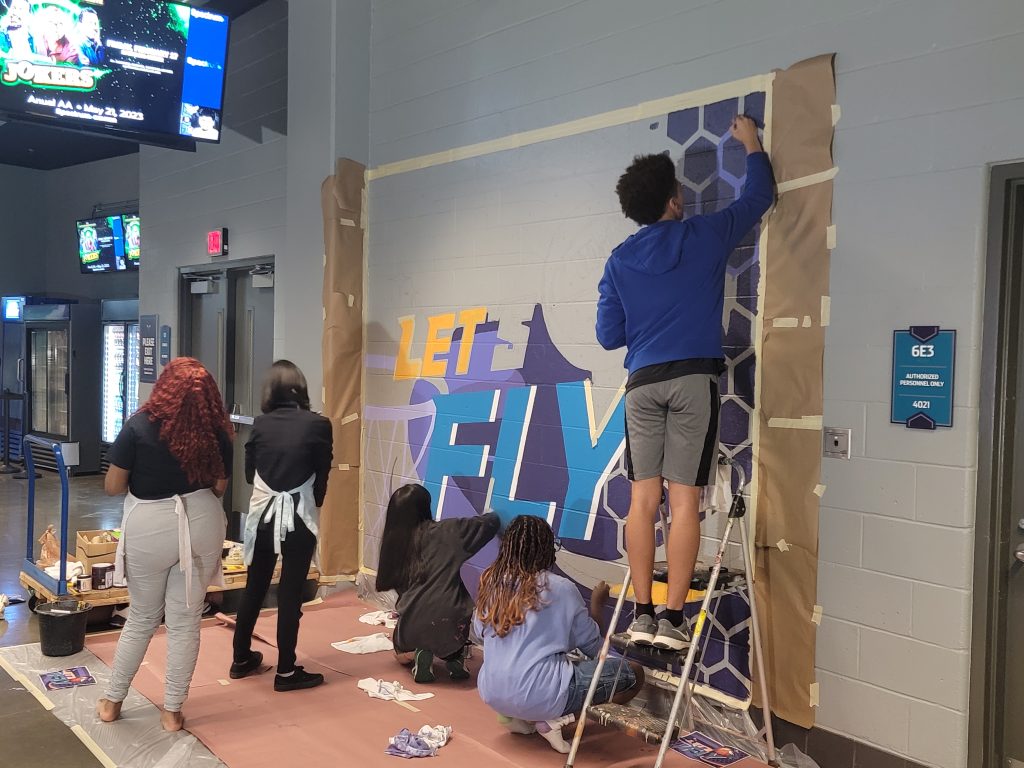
x,y
785,322
367,571
351,300
807,321
406,704
830,237
350,418
323,394
804,422
815,694
26,684
344,467
92,746
819,490
783,545
837,113
643,111
807,181
224,682
325,313
816,615
346,222
826,311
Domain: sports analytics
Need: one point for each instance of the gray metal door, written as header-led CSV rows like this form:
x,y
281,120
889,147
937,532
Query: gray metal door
x,y
208,327
997,673
253,355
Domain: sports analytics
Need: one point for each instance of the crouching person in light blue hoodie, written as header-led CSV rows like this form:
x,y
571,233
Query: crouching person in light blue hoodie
x,y
530,619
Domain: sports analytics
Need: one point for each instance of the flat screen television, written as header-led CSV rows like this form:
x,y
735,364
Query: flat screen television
x,y
109,243
149,70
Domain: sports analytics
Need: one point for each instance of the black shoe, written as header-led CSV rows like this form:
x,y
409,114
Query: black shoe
x,y
240,670
422,668
457,668
298,680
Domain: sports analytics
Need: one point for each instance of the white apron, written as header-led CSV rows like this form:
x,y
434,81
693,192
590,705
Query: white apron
x,y
177,503
279,506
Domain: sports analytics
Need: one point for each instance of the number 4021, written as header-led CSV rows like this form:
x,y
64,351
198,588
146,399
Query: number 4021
x,y
922,350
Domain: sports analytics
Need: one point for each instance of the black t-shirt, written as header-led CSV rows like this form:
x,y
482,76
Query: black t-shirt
x,y
154,472
289,444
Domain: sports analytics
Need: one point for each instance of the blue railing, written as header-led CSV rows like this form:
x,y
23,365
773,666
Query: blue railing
x,y
58,586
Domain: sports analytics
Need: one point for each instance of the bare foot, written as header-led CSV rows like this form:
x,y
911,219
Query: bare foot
x,y
172,721
108,711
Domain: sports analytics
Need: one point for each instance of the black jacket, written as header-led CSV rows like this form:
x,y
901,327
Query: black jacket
x,y
289,444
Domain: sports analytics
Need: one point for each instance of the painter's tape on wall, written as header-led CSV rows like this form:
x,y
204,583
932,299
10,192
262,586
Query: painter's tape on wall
x,y
807,181
785,322
837,114
826,311
830,237
815,694
350,418
804,422
816,615
819,490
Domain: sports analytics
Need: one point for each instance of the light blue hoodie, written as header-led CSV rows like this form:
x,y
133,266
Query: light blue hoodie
x,y
526,674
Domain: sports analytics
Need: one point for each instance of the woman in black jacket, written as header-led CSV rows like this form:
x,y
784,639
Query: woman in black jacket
x,y
288,460
421,560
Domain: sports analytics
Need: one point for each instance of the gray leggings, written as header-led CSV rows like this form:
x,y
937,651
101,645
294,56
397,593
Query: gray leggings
x,y
156,589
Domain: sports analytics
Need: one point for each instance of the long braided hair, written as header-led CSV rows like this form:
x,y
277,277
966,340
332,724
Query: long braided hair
x,y
510,587
193,421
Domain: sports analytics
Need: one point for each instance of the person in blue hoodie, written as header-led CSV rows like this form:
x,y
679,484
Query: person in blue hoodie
x,y
661,297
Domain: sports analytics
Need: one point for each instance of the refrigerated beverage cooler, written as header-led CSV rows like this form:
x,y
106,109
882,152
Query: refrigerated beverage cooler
x,y
62,347
120,387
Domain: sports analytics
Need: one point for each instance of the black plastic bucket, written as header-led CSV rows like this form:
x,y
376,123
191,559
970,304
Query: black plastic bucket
x,y
62,627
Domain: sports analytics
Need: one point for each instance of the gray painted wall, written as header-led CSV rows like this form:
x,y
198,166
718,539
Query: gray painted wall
x,y
40,208
238,184
930,93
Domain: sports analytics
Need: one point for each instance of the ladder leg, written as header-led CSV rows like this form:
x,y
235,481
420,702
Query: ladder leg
x,y
581,724
758,648
685,684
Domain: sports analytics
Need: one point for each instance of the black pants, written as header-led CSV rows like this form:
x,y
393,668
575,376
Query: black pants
x,y
297,553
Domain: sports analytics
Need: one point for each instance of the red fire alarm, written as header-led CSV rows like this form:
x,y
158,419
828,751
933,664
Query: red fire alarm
x,y
217,242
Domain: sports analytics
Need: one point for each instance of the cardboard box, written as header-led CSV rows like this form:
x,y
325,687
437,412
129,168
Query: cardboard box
x,y
89,554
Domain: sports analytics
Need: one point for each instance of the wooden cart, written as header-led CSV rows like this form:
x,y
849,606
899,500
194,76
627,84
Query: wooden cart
x,y
44,588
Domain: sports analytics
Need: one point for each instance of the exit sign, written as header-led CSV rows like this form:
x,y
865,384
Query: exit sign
x,y
217,242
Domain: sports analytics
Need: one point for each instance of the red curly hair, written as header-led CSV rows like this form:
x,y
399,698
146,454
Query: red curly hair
x,y
192,419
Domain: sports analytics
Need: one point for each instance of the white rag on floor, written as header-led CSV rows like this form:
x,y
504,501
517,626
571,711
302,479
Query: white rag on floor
x,y
368,644
380,619
378,689
436,736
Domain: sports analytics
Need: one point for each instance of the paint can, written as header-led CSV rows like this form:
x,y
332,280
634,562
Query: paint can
x,y
103,575
84,583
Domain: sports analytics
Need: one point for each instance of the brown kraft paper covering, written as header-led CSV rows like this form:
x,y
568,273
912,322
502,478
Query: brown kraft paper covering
x,y
796,272
342,345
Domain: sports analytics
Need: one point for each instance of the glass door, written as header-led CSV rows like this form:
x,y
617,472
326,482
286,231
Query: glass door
x,y
131,398
113,394
48,372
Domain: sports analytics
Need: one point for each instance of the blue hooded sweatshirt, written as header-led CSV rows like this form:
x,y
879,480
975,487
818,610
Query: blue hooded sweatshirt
x,y
663,289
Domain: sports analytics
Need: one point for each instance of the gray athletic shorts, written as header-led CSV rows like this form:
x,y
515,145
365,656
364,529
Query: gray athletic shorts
x,y
672,429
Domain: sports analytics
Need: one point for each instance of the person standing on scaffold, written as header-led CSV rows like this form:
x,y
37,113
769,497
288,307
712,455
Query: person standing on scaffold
x,y
661,297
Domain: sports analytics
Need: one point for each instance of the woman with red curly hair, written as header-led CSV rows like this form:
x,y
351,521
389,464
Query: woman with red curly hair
x,y
172,459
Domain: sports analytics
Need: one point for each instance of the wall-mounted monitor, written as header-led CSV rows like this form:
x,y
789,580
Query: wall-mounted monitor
x,y
146,69
13,308
109,243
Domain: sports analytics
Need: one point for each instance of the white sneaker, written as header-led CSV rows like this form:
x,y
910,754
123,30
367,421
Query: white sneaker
x,y
669,637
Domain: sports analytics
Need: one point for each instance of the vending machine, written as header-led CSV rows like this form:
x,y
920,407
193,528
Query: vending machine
x,y
63,346
120,387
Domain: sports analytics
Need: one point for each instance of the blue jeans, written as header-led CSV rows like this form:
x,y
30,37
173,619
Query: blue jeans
x,y
583,674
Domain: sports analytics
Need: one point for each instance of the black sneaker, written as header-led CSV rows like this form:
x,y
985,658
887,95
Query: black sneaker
x,y
240,670
423,667
298,680
457,668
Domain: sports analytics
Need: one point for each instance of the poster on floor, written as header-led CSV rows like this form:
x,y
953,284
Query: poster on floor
x,y
62,679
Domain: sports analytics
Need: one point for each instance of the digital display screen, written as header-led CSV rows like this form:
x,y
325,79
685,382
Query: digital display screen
x,y
110,243
137,66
